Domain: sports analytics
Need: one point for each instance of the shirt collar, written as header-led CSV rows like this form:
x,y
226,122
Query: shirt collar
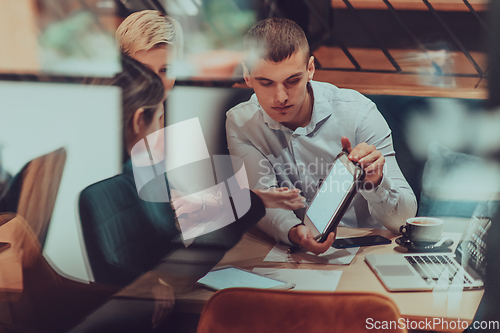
x,y
322,109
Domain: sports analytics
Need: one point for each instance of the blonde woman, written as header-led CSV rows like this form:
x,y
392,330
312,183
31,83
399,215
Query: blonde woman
x,y
154,40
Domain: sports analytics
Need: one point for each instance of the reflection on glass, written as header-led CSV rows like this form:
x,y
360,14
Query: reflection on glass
x,y
74,42
68,38
213,34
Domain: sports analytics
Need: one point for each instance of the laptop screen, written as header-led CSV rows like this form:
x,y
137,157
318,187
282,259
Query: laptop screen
x,y
471,250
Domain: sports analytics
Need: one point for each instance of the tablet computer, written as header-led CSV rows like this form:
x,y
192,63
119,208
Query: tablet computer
x,y
333,196
233,277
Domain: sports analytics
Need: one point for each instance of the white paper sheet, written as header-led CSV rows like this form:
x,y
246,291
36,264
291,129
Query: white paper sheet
x,y
331,257
304,279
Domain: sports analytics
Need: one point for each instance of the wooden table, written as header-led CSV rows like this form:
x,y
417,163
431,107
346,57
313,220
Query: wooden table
x,y
417,306
182,269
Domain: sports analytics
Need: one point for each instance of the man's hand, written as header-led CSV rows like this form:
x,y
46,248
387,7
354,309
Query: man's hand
x,y
282,197
302,236
369,158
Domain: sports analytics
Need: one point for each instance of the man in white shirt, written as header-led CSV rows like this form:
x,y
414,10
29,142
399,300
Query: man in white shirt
x,y
291,129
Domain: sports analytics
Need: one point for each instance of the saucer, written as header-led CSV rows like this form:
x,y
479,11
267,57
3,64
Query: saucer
x,y
423,246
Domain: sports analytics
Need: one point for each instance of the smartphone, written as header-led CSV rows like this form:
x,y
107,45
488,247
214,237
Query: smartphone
x,y
360,241
233,277
333,196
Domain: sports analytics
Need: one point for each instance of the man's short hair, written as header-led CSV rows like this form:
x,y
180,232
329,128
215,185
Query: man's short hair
x,y
147,29
276,39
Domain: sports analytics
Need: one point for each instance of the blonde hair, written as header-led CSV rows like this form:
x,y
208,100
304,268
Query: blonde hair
x,y
147,29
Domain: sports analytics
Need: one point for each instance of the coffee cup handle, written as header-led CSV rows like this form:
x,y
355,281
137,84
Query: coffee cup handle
x,y
402,230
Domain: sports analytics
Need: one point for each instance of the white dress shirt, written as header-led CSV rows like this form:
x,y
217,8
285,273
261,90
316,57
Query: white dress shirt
x,y
274,155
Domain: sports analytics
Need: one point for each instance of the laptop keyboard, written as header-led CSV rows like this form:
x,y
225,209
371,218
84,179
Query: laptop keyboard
x,y
437,267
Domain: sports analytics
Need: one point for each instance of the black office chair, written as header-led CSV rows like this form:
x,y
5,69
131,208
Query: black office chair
x,y
124,235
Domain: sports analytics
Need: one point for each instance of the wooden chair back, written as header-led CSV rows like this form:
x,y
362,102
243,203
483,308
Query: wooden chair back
x,y
258,310
40,183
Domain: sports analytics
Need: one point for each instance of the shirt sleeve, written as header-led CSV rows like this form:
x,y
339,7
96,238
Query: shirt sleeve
x,y
276,222
393,200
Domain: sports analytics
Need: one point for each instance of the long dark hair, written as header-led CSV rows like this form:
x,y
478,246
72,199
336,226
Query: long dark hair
x,y
141,88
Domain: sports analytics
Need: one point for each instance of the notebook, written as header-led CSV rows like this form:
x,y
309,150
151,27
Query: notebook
x,y
425,271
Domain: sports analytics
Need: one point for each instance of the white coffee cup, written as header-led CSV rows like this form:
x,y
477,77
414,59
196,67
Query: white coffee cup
x,y
422,229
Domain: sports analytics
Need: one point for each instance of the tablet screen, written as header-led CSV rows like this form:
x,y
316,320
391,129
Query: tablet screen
x,y
232,277
330,195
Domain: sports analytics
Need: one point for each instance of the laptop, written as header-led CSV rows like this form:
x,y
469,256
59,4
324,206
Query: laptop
x,y
464,268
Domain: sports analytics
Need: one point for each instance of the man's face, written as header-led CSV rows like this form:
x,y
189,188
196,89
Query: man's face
x,y
159,59
281,88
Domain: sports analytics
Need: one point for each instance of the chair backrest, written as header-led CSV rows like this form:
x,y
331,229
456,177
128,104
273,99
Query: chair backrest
x,y
256,310
40,181
124,235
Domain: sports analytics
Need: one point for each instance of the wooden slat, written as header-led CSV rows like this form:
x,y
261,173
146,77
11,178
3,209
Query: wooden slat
x,y
441,5
408,59
399,84
396,84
